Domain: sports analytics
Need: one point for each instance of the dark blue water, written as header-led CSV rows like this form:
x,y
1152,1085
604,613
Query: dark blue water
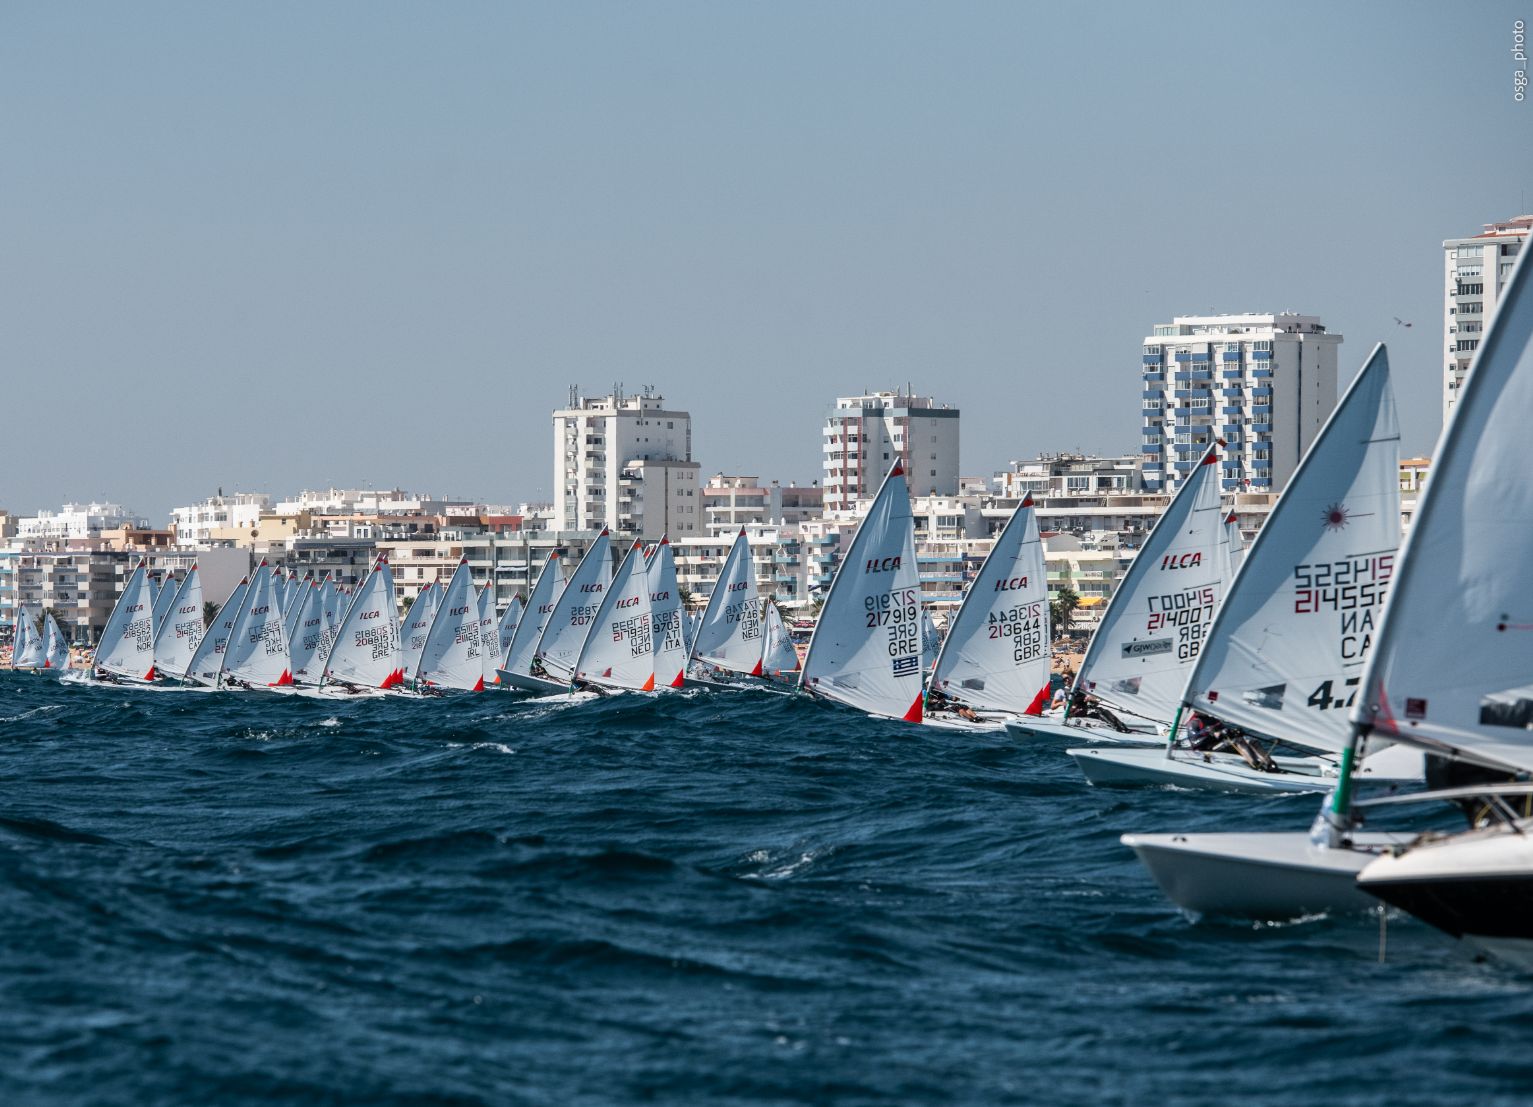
x,y
706,898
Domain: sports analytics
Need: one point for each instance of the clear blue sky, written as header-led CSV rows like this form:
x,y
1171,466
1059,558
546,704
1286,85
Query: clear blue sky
x,y
283,245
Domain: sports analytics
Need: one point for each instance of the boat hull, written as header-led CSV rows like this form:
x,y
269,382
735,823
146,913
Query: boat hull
x,y
1220,772
1127,768
1261,876
526,683
1033,728
1477,886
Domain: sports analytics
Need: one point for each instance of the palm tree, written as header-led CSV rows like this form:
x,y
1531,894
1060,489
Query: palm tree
x,y
209,612
1062,611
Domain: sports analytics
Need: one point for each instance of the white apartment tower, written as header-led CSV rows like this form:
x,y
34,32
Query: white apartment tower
x,y
1263,383
864,434
625,462
1475,271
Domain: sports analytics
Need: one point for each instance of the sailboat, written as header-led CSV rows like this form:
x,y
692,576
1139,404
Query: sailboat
x,y
866,651
509,618
619,650
1139,657
668,628
1286,650
208,661
515,669
450,657
1452,668
366,653
310,644
180,633
1440,642
931,639
125,651
995,660
27,650
163,600
1237,542
417,625
729,637
573,617
298,595
55,645
257,655
489,637
778,657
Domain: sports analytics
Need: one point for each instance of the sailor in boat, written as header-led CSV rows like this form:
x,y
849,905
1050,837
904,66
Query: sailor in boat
x,y
938,701
1083,706
1211,736
106,677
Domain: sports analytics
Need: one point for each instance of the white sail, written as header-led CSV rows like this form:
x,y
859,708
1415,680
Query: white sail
x,y
279,590
777,654
1157,620
529,629
126,648
729,634
489,636
55,645
867,651
417,625
506,630
163,600
1452,665
996,655
619,650
931,640
258,649
310,643
334,602
1236,541
450,657
366,651
27,652
666,622
570,622
180,633
297,597
208,662
1285,653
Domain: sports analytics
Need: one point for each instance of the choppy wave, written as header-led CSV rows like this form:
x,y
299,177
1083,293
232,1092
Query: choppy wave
x,y
722,897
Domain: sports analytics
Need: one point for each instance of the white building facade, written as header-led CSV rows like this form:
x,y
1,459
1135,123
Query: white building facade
x,y
1264,383
1475,272
863,436
625,462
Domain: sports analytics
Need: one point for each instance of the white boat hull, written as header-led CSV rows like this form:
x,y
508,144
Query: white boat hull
x,y
526,683
1261,876
1033,728
1218,772
1477,885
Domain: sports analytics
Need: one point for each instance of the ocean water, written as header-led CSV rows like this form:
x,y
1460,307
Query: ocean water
x,y
711,898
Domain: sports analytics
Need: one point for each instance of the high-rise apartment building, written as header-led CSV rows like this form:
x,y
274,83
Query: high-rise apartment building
x,y
625,462
864,434
1475,272
1264,383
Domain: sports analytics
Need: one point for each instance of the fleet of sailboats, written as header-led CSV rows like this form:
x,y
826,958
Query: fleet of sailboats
x,y
1314,661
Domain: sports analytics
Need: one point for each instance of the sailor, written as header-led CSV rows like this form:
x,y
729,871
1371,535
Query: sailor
x,y
1083,706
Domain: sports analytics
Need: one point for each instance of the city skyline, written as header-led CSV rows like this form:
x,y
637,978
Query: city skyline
x,y
753,211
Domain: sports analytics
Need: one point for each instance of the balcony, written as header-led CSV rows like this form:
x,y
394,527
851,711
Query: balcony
x,y
1262,412
1156,376
1232,411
